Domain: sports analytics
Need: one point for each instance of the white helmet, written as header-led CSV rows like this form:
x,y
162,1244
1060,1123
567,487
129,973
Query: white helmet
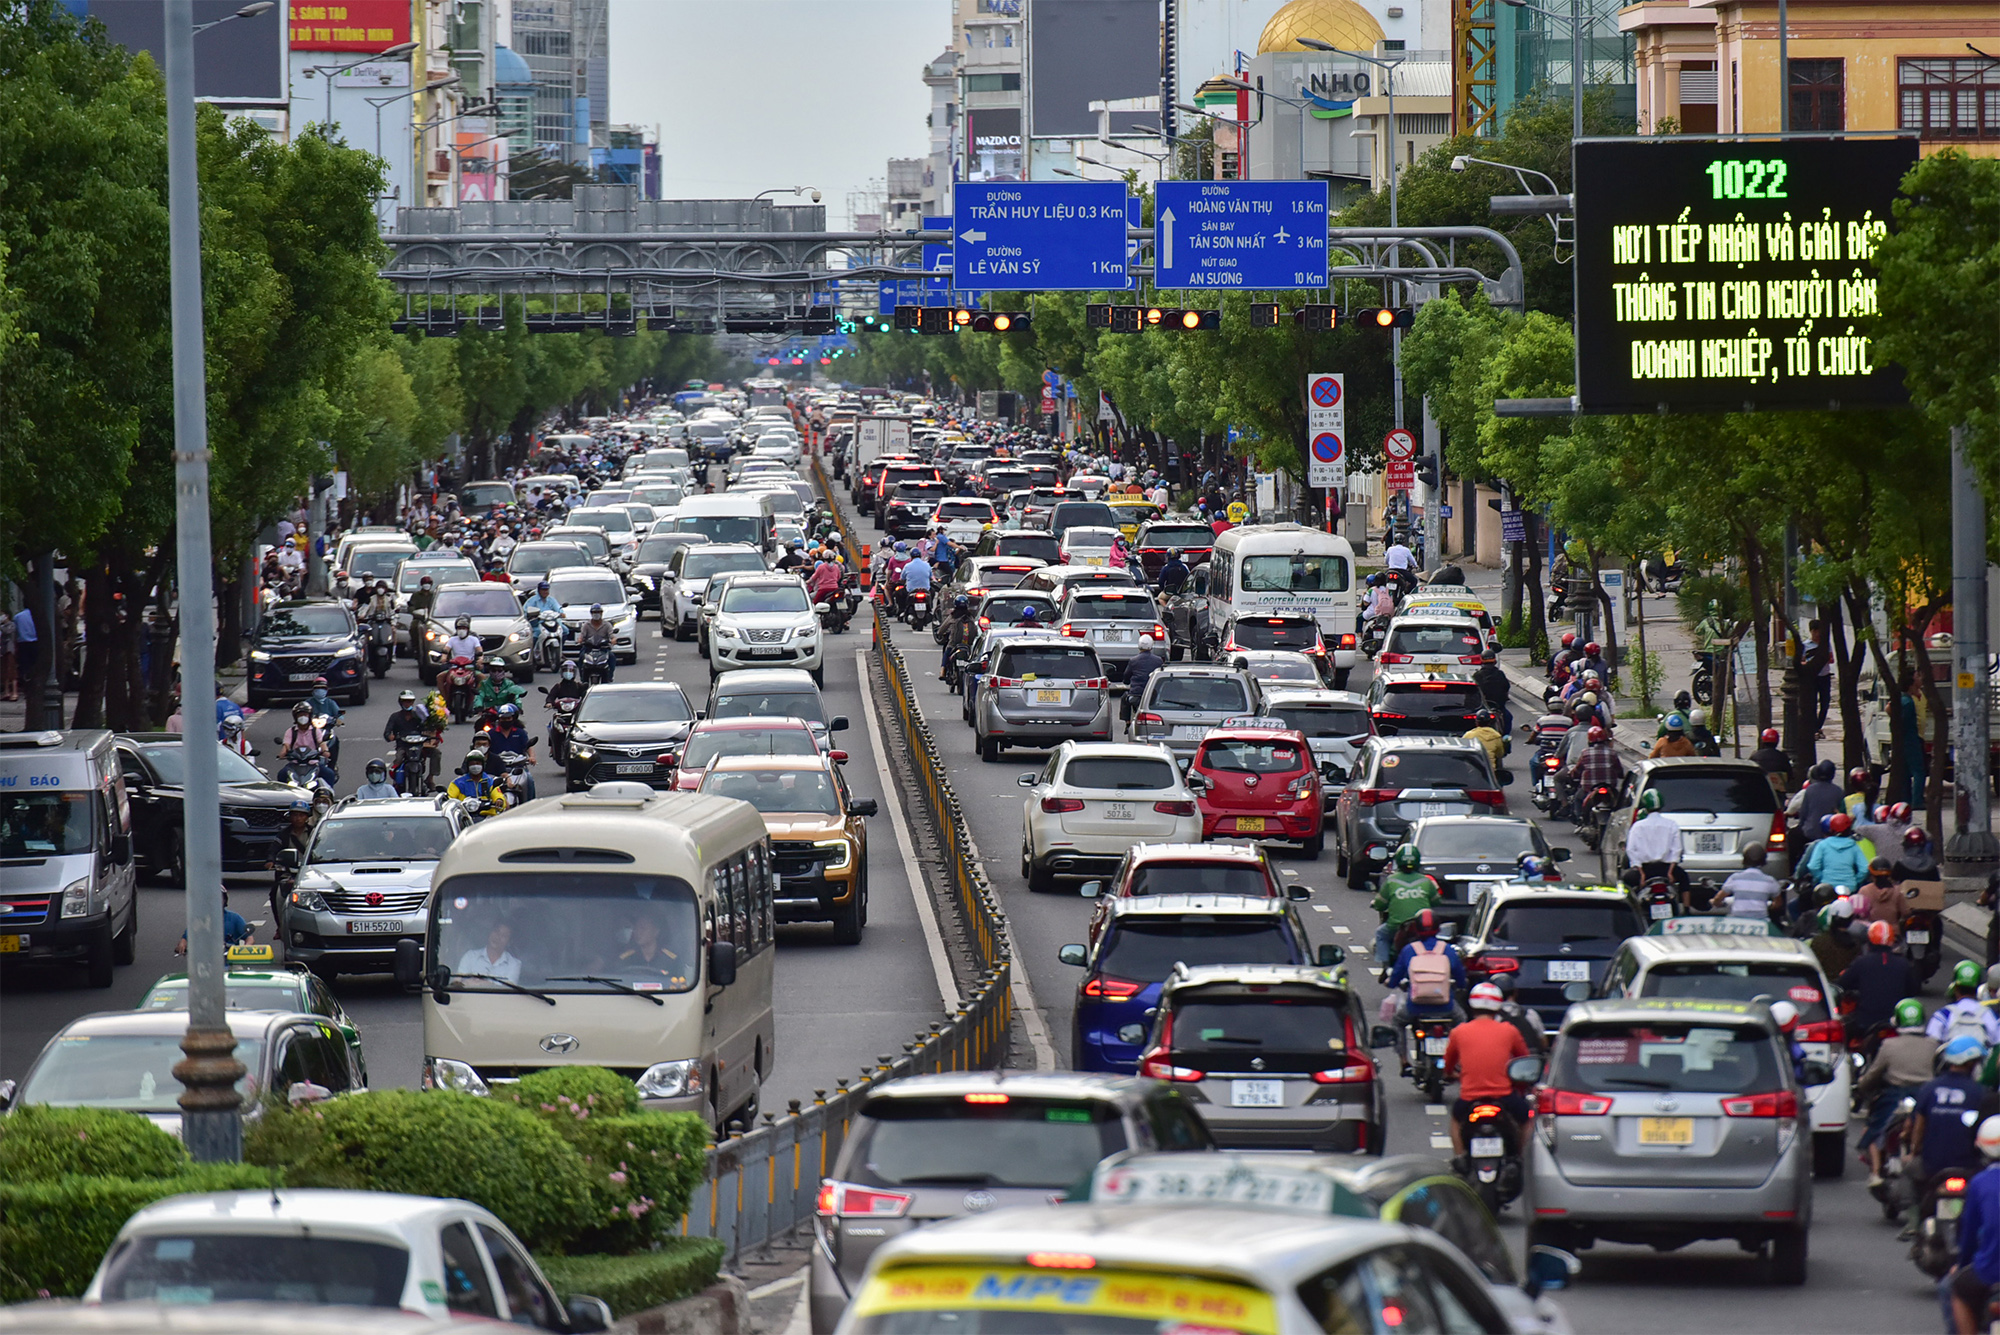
x,y
1697,717
1145,642
1785,1013
1485,997
1988,1138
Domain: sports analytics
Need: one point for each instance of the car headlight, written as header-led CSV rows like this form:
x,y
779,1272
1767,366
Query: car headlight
x,y
805,632
584,752
670,1080
433,633
841,852
444,1073
310,901
347,651
76,899
515,637
724,632
259,656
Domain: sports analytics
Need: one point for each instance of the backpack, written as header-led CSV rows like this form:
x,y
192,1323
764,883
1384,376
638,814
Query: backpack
x,y
1965,1019
1430,975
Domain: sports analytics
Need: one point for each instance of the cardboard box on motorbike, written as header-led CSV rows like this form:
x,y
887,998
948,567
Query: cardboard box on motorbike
x,y
1925,896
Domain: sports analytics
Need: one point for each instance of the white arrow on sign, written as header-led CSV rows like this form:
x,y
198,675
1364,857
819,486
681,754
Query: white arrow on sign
x,y
973,236
1167,239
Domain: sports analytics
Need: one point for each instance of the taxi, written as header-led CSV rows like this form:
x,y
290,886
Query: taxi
x,y
1255,776
253,980
1453,599
1132,511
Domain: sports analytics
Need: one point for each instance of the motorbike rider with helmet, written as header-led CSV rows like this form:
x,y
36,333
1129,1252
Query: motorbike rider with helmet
x,y
1705,742
1940,1131
1485,730
1408,1006
1675,743
511,733
1598,766
596,634
474,784
1968,1288
1173,572
567,687
1819,798
537,603
408,718
463,643
1138,672
378,788
1880,977
1965,1013
1476,1055
1654,845
497,687
307,736
1404,894
1774,761
956,631
1836,859
1903,1062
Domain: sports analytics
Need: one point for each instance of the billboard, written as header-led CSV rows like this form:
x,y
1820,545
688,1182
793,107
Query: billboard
x,y
1084,51
1732,276
241,62
349,25
993,144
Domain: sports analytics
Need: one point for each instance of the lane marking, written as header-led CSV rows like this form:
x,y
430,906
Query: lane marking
x,y
777,1286
1321,908
1358,949
1435,1109
1338,930
1440,1142
919,893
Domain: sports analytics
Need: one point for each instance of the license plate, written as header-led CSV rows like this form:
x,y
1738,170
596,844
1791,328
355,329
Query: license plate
x,y
1118,636
1184,730
1434,1047
304,676
1434,809
375,926
636,767
13,945
1707,841
1488,1147
1234,1180
1256,1093
1950,1207
1118,811
1918,938
762,653
1048,697
1568,971
1249,825
1658,911
1666,1130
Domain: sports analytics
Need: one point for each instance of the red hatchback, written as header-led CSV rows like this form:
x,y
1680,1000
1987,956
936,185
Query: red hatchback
x,y
1259,782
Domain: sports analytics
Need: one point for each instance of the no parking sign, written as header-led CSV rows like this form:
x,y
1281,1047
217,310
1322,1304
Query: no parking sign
x,y
1326,429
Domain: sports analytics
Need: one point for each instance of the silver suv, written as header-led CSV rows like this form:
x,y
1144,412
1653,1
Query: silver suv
x,y
1112,621
1661,1122
1721,804
365,883
1040,693
1182,701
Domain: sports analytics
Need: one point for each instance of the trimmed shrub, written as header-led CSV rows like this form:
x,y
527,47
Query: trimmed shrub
x,y
39,1143
642,1170
604,1092
489,1152
54,1233
682,1266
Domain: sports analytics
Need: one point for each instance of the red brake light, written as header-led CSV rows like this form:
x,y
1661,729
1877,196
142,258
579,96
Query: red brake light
x,y
1569,1103
1174,808
1473,659
1394,658
1155,1066
1057,805
1060,1260
1778,1103
1954,1184
1072,630
1147,718
1369,797
1776,839
1356,1069
1434,686
1484,1112
987,1098
1159,632
1094,684
844,1198
1495,964
1491,797
1347,641
1826,1031
985,622
1114,989
998,682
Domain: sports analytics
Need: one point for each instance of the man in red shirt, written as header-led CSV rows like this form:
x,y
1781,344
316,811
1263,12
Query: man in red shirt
x,y
1477,1056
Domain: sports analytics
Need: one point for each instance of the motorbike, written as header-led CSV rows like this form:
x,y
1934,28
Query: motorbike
x,y
302,768
381,644
1934,1249
1493,1142
919,608
513,777
410,769
1658,902
1596,804
1896,1192
594,664
1544,790
1373,634
460,683
1428,1038
559,728
1702,686
549,641
1923,943
1663,571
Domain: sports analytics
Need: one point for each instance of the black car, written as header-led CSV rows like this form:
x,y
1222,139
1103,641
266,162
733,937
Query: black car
x,y
910,507
624,731
1556,941
255,809
304,639
650,562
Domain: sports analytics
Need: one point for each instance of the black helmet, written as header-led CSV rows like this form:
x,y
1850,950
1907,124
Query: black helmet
x,y
377,771
1824,771
1484,718
1683,701
961,602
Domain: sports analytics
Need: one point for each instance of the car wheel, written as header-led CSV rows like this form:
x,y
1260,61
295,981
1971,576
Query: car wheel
x,y
170,869
1040,880
1339,859
360,696
1829,1153
819,677
125,946
1314,846
1357,874
97,964
1549,1235
989,749
1788,1257
847,920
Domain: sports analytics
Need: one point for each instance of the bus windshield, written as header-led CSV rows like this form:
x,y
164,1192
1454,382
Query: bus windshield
x,y
555,930
1298,573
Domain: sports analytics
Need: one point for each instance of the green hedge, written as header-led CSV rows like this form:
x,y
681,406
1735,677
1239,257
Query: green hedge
x,y
40,1144
643,1169
602,1091
681,1267
435,1144
54,1233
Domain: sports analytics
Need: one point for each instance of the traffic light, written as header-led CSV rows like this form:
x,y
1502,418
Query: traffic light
x,y
909,317
1182,321
1427,470
1316,317
935,319
1263,315
1001,322
1386,317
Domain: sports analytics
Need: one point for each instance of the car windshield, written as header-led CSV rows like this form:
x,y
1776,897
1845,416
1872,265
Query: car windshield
x,y
702,565
1322,720
1112,606
411,577
1274,633
1248,1025
1713,790
1047,663
361,838
723,528
786,790
134,1072
480,495
917,491
1178,535
965,509
709,744
765,598
1002,577
238,994
294,622
1666,1058
1199,878
494,601
1039,546
1418,768
1088,514
590,539
1477,843
1301,573
171,766
583,590
661,548
1021,1142
1280,669
735,702
650,704
199,1267
1730,980
609,518
1431,699
544,928
1241,755
1120,773
1092,538
1147,948
48,822
371,563
1205,695
1434,640
1562,923
1005,609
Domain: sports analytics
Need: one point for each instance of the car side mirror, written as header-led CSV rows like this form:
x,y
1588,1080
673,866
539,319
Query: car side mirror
x,y
1382,1036
1091,889
1071,954
839,723
586,1314
1818,1073
1329,956
409,963
1549,1268
1524,1070
1132,1033
867,806
121,848
1297,892
722,963
1027,780
7,1088
1560,855
1506,778
305,1091
288,858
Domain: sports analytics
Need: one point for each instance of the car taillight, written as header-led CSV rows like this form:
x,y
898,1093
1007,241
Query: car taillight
x,y
1383,713
1826,1031
1147,718
844,1198
1494,964
984,622
1116,989
1473,659
1395,658
1300,786
1491,797
1777,1103
1347,641
1159,633
1072,630
1155,1066
1174,808
1569,1103
998,682
1054,805
1369,797
1094,684
1776,839
1356,1070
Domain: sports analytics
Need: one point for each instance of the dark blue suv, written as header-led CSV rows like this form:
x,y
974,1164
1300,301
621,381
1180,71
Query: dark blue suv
x,y
1137,946
300,641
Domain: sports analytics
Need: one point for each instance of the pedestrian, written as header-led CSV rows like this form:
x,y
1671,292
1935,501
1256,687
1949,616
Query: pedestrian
x,y
1816,661
10,687
27,649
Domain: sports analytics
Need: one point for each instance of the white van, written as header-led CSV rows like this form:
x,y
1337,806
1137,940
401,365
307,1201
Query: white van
x,y
729,517
66,842
1285,570
617,927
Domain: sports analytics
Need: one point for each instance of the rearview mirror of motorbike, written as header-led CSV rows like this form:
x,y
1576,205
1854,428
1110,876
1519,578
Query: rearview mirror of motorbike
x,y
1382,1036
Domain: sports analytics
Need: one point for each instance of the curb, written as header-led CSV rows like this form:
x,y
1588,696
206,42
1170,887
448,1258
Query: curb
x,y
723,1308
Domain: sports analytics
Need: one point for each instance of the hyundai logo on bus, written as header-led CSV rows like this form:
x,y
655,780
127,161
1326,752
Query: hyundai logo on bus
x,y
560,1043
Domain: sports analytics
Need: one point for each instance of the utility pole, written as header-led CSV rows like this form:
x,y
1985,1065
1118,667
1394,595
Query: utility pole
x,y
1434,509
1973,839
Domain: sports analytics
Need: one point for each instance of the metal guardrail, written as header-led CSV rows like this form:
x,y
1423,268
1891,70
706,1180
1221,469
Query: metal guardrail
x,y
762,1185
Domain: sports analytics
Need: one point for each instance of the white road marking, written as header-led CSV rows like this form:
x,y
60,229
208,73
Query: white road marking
x,y
1321,908
1358,949
1341,931
1435,1109
777,1286
1440,1142
926,913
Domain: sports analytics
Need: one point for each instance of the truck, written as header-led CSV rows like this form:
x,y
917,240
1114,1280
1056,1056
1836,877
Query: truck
x,y
876,435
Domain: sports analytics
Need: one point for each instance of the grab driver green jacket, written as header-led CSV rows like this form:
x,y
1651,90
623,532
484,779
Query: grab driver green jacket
x,y
1405,894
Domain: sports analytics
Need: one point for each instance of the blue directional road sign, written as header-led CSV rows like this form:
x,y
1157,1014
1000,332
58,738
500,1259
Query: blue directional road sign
x,y
1040,235
937,265
1239,234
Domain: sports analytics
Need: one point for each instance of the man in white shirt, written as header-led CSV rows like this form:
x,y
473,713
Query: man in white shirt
x,y
1653,843
1399,557
463,643
493,959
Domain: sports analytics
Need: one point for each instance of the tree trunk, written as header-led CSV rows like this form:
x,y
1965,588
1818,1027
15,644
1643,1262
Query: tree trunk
x,y
1940,732
1611,609
1847,686
95,620
1753,571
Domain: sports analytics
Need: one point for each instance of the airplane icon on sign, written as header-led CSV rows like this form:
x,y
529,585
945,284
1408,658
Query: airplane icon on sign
x,y
1283,236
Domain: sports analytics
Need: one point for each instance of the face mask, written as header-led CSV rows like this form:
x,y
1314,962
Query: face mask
x,y
319,692
472,771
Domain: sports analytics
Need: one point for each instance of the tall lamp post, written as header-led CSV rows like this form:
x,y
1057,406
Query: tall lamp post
x,y
327,72
1575,55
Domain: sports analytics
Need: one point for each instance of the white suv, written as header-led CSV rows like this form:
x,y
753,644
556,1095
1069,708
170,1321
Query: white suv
x,y
766,621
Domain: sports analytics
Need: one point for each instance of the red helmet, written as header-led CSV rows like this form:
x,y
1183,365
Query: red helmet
x,y
1839,823
1569,638
1427,923
1881,934
1914,837
1768,737
1858,775
1595,735
1593,649
1900,812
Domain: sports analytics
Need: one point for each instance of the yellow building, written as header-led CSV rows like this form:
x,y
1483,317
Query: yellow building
x,y
1711,66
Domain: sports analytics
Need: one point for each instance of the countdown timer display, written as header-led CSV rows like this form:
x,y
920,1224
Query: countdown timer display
x,y
1732,275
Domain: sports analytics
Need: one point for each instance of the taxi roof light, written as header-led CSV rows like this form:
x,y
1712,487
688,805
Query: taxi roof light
x,y
1061,1260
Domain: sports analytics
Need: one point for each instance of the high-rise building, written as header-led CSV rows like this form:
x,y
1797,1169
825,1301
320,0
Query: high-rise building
x,y
940,167
567,47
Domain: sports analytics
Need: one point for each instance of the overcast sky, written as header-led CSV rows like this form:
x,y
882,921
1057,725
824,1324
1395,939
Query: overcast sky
x,y
749,94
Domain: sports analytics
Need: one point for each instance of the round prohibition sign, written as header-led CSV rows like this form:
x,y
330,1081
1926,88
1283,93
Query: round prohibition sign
x,y
1326,447
1325,391
1400,445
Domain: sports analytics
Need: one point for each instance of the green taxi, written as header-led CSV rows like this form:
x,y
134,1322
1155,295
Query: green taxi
x,y
254,980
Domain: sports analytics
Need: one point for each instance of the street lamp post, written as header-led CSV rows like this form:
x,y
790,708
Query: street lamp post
x,y
1575,56
379,102
327,72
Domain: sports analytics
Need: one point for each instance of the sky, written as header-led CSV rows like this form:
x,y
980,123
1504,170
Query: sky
x,y
750,94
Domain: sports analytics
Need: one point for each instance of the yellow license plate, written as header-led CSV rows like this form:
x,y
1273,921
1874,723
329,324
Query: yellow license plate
x,y
1666,1130
1250,825
1048,697
10,945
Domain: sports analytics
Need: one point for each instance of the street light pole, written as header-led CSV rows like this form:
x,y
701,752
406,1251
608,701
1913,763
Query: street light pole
x,y
211,1125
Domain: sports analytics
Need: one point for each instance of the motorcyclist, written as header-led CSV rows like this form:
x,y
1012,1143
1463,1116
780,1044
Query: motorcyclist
x,y
326,707
378,787
1485,731
1940,1131
463,643
1879,978
1882,895
1965,1013
1705,742
1653,843
1753,891
826,577
793,557
233,738
1598,766
411,717
1915,861
1476,1055
958,627
305,735
1902,1064
1836,858
567,687
540,601
511,733
421,603
296,836
596,634
1774,761
1676,743
497,687
1494,689
916,578
1138,672
1407,1007
1683,703
1562,658
473,783
1173,572
1835,945
1404,893
1970,1283
1593,661
236,930
1821,797
1569,749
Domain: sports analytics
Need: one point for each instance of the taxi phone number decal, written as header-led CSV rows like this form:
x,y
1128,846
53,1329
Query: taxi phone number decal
x,y
1218,1306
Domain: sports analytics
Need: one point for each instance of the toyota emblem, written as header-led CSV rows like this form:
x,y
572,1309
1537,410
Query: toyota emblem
x,y
978,1202
373,898
560,1043
1666,1103
1256,1063
1484,866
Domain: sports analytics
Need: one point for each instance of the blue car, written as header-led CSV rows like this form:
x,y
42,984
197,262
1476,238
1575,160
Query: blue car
x,y
1139,942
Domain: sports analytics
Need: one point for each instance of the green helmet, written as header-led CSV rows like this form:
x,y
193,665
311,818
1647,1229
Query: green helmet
x,y
1909,1013
1965,974
1649,801
1408,858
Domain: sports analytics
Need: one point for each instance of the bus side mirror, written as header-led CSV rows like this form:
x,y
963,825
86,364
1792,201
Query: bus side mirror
x,y
722,963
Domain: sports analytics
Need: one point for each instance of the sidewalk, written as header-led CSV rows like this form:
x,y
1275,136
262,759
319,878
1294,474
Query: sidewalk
x,y
14,713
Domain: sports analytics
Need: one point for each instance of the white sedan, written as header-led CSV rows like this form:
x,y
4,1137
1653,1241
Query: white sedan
x,y
1093,801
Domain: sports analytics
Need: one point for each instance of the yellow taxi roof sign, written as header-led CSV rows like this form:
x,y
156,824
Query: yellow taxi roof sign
x,y
250,955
